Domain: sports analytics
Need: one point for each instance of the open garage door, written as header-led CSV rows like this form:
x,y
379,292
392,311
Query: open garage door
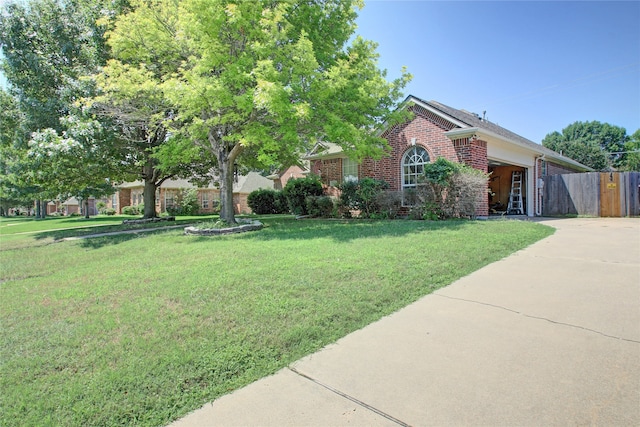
x,y
504,186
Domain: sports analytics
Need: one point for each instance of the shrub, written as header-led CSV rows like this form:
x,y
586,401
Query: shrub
x,y
450,190
267,201
320,206
364,195
298,189
185,203
109,211
130,210
102,207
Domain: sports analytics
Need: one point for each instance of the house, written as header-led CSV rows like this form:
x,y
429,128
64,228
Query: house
x,y
167,195
281,178
516,164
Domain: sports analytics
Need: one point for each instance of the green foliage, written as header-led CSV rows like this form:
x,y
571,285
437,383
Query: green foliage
x,y
320,206
185,203
255,83
364,195
631,160
449,190
598,145
267,201
298,189
131,210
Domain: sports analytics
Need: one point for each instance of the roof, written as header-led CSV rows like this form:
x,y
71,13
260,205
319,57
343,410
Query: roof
x,y
251,182
245,183
325,150
474,121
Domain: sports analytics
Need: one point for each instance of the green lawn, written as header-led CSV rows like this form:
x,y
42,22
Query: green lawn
x,y
140,329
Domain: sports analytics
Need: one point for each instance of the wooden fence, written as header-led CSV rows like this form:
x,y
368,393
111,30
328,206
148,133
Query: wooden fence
x,y
612,194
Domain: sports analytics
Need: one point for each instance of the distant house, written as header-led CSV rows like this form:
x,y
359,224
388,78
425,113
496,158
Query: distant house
x,y
281,178
437,130
71,206
131,194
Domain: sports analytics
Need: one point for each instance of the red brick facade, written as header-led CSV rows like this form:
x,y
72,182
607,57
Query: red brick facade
x,y
426,130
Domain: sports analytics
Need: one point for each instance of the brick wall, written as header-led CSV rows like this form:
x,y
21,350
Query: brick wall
x,y
328,170
557,169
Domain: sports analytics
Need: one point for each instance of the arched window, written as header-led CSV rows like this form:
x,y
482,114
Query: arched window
x,y
413,163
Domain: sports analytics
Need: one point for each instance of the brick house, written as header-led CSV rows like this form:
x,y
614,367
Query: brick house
x,y
130,194
437,130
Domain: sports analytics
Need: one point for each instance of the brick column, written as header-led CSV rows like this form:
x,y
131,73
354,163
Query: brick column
x,y
473,152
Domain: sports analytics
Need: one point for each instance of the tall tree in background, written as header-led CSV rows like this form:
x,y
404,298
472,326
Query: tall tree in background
x,y
598,145
259,82
131,97
632,153
13,149
48,46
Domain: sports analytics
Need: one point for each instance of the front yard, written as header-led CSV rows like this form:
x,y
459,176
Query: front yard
x,y
141,329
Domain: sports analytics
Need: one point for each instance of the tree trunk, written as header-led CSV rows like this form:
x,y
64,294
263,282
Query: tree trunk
x,y
43,209
37,209
149,193
149,196
227,212
85,202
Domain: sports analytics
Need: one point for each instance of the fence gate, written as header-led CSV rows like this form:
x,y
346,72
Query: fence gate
x,y
613,194
610,194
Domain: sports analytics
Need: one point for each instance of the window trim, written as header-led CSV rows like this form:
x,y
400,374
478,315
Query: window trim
x,y
418,168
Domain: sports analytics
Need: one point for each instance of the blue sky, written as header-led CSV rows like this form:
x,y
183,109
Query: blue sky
x,y
534,67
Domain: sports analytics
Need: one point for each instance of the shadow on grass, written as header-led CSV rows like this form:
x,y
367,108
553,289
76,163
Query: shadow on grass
x,y
95,238
337,230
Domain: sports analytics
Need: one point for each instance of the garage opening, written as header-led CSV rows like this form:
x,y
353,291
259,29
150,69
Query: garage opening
x,y
507,189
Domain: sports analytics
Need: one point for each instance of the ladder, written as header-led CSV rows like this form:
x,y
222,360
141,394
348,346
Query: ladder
x,y
515,196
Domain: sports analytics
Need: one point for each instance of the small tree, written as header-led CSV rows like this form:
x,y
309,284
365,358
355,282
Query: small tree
x,y
298,189
364,195
450,190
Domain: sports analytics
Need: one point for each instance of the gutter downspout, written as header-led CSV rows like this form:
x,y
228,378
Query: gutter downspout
x,y
539,185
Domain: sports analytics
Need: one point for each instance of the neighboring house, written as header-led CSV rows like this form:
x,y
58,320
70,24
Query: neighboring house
x,y
437,130
130,194
280,179
71,206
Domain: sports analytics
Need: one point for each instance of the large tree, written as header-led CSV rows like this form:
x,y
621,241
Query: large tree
x,y
48,46
131,97
258,82
13,149
598,145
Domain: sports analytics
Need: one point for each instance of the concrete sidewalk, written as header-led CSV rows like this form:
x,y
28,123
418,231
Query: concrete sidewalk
x,y
548,336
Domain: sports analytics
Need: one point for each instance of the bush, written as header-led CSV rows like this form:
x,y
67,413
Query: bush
x,y
450,190
364,195
267,201
102,207
298,189
109,211
186,203
320,206
131,210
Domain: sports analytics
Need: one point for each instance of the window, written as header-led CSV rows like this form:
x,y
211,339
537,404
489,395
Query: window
x,y
114,201
169,199
349,170
205,200
413,163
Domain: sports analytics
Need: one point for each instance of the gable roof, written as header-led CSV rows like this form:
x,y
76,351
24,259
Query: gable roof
x,y
469,122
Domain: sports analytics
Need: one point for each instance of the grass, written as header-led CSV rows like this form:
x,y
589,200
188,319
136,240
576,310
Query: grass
x,y
140,329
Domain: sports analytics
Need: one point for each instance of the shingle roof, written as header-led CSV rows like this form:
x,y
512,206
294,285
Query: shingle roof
x,y
473,120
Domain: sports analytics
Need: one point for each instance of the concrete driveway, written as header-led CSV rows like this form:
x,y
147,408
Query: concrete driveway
x,y
549,336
